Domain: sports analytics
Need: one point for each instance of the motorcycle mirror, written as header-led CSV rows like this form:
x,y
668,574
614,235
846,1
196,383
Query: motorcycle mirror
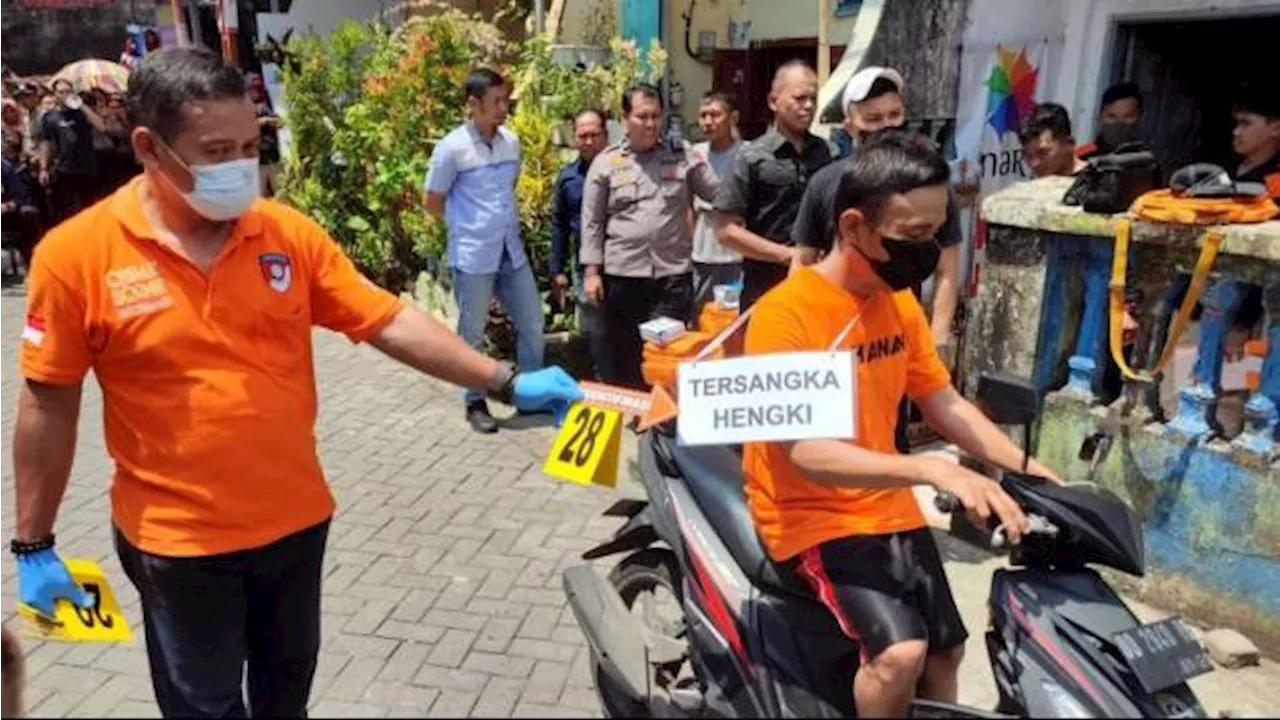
x,y
1007,400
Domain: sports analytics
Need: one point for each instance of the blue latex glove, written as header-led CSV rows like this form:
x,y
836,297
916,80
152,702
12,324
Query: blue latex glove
x,y
43,578
550,388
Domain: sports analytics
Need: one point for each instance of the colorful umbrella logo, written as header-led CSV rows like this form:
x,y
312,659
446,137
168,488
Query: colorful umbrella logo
x,y
1011,90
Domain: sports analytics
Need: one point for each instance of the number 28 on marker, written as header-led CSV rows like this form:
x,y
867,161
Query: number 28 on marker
x,y
586,449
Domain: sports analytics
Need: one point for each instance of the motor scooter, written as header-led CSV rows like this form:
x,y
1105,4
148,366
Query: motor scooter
x,y
695,620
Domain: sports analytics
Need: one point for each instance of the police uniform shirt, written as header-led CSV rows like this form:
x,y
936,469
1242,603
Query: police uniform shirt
x,y
634,220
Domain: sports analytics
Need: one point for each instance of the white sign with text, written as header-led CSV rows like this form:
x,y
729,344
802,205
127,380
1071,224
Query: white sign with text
x,y
765,398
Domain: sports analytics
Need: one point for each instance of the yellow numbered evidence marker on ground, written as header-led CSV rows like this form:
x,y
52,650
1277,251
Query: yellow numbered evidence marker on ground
x,y
104,622
586,451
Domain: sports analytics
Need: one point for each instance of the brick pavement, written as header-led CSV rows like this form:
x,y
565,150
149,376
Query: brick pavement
x,y
442,588
442,591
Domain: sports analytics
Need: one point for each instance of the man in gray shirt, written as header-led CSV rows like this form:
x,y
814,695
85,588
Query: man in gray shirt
x,y
713,263
636,247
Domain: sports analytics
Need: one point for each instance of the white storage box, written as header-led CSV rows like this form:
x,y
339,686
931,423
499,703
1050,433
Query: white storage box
x,y
662,330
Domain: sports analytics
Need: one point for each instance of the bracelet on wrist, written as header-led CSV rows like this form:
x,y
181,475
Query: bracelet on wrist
x,y
27,547
503,382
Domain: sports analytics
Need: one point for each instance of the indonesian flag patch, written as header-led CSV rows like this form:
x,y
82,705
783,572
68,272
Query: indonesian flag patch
x,y
33,332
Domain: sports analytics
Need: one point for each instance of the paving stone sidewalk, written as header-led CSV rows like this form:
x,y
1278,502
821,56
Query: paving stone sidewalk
x,y
442,587
442,593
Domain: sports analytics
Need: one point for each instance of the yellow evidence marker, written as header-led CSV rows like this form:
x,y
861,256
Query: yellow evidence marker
x,y
587,449
104,622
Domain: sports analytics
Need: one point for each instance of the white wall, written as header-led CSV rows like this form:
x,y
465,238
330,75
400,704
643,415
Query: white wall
x,y
315,16
781,19
1014,21
1090,36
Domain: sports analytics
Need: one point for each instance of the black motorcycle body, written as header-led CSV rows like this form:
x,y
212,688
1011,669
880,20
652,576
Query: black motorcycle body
x,y
736,643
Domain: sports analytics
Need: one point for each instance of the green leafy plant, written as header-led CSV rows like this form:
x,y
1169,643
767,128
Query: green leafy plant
x,y
367,104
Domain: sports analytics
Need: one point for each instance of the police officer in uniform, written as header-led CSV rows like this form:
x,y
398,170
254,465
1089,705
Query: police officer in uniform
x,y
636,243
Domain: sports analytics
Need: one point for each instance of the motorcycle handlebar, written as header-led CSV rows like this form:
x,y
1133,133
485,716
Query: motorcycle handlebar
x,y
947,503
1040,525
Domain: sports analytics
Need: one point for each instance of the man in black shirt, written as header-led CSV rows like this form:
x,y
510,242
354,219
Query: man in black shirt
x,y
68,164
590,136
757,203
873,104
1121,103
1256,137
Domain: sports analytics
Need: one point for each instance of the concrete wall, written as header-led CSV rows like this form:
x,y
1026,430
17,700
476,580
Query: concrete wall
x,y
39,42
319,18
1211,523
1090,36
781,19
1209,498
770,20
694,76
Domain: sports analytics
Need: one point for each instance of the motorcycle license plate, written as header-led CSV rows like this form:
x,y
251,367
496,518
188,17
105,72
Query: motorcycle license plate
x,y
1162,654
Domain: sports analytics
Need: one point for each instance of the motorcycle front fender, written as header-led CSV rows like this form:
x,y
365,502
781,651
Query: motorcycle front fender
x,y
638,532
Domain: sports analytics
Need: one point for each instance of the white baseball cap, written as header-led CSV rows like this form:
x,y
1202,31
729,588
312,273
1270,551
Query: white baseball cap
x,y
860,84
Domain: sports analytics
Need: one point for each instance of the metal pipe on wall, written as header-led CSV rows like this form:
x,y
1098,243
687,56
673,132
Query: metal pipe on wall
x,y
824,43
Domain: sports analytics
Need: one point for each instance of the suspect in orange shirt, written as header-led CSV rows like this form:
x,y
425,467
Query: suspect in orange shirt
x,y
839,515
193,302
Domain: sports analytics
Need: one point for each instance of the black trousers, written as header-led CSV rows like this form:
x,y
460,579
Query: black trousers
x,y
69,194
209,619
20,234
629,302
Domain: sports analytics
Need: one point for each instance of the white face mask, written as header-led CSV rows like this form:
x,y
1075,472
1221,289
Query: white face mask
x,y
73,102
223,191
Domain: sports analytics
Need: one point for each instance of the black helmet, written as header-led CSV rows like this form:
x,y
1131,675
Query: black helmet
x,y
1208,180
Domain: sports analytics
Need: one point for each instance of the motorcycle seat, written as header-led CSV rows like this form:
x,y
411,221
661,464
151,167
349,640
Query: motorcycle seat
x,y
713,474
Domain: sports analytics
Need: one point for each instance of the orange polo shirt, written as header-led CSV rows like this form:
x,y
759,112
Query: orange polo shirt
x,y
896,357
208,381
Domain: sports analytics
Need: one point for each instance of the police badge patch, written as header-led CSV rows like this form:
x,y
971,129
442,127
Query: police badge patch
x,y
276,270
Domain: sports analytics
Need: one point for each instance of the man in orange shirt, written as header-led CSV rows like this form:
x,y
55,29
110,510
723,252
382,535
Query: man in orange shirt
x,y
193,300
840,516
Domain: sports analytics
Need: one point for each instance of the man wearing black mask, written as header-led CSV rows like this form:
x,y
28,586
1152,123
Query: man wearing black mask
x,y
873,107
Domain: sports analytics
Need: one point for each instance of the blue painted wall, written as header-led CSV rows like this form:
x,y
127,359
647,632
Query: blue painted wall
x,y
1210,508
642,21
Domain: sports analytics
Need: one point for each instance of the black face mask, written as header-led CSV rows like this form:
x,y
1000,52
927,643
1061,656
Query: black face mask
x,y
910,262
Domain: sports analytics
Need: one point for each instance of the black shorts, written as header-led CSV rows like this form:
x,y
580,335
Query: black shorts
x,y
882,590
